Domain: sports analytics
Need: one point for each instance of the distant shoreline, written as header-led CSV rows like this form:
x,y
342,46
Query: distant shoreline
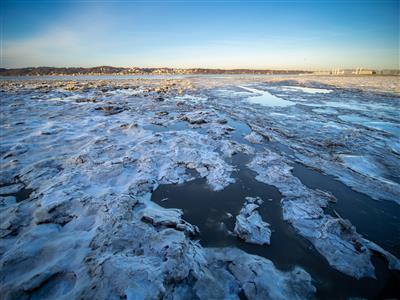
x,y
109,70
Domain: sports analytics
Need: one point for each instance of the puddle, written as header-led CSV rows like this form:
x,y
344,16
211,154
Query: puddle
x,y
19,195
266,98
241,130
306,89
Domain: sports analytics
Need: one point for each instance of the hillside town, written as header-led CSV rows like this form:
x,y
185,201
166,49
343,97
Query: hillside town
x,y
109,70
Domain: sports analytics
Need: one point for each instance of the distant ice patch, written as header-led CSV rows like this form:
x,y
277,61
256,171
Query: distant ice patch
x,y
328,110
126,92
186,97
362,164
306,89
380,125
266,98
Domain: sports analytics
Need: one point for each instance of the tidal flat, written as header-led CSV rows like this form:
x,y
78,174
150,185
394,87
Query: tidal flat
x,y
200,187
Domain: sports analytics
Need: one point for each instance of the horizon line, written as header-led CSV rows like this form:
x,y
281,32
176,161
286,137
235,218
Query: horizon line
x,y
205,68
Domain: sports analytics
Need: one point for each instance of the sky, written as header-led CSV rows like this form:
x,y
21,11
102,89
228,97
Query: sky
x,y
256,34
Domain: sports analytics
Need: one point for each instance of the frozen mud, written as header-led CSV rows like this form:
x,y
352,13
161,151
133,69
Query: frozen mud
x,y
81,159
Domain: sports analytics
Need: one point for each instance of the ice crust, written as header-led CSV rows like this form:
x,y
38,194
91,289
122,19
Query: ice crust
x,y
318,136
89,229
249,225
93,152
335,238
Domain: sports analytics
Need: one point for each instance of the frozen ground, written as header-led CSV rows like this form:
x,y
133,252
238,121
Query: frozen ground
x,y
82,163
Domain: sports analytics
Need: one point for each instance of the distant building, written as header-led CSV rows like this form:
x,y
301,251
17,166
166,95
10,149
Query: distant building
x,y
337,72
358,71
389,72
322,73
361,71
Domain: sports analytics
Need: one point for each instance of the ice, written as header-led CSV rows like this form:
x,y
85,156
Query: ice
x,y
90,230
125,92
6,201
249,225
266,98
306,89
167,218
11,189
327,110
362,164
336,239
380,125
93,152
317,137
254,138
195,99
253,275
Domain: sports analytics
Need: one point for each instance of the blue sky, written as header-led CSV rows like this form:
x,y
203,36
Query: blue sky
x,y
256,34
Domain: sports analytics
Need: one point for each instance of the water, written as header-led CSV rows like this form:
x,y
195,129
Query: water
x,y
209,211
377,221
266,98
214,213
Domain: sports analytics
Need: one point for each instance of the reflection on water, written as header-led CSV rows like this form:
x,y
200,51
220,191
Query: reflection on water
x,y
266,98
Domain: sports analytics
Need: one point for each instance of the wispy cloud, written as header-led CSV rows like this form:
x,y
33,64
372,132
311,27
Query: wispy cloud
x,y
50,48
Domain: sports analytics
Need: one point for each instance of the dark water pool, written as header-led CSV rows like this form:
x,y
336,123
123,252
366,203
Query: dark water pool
x,y
211,211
